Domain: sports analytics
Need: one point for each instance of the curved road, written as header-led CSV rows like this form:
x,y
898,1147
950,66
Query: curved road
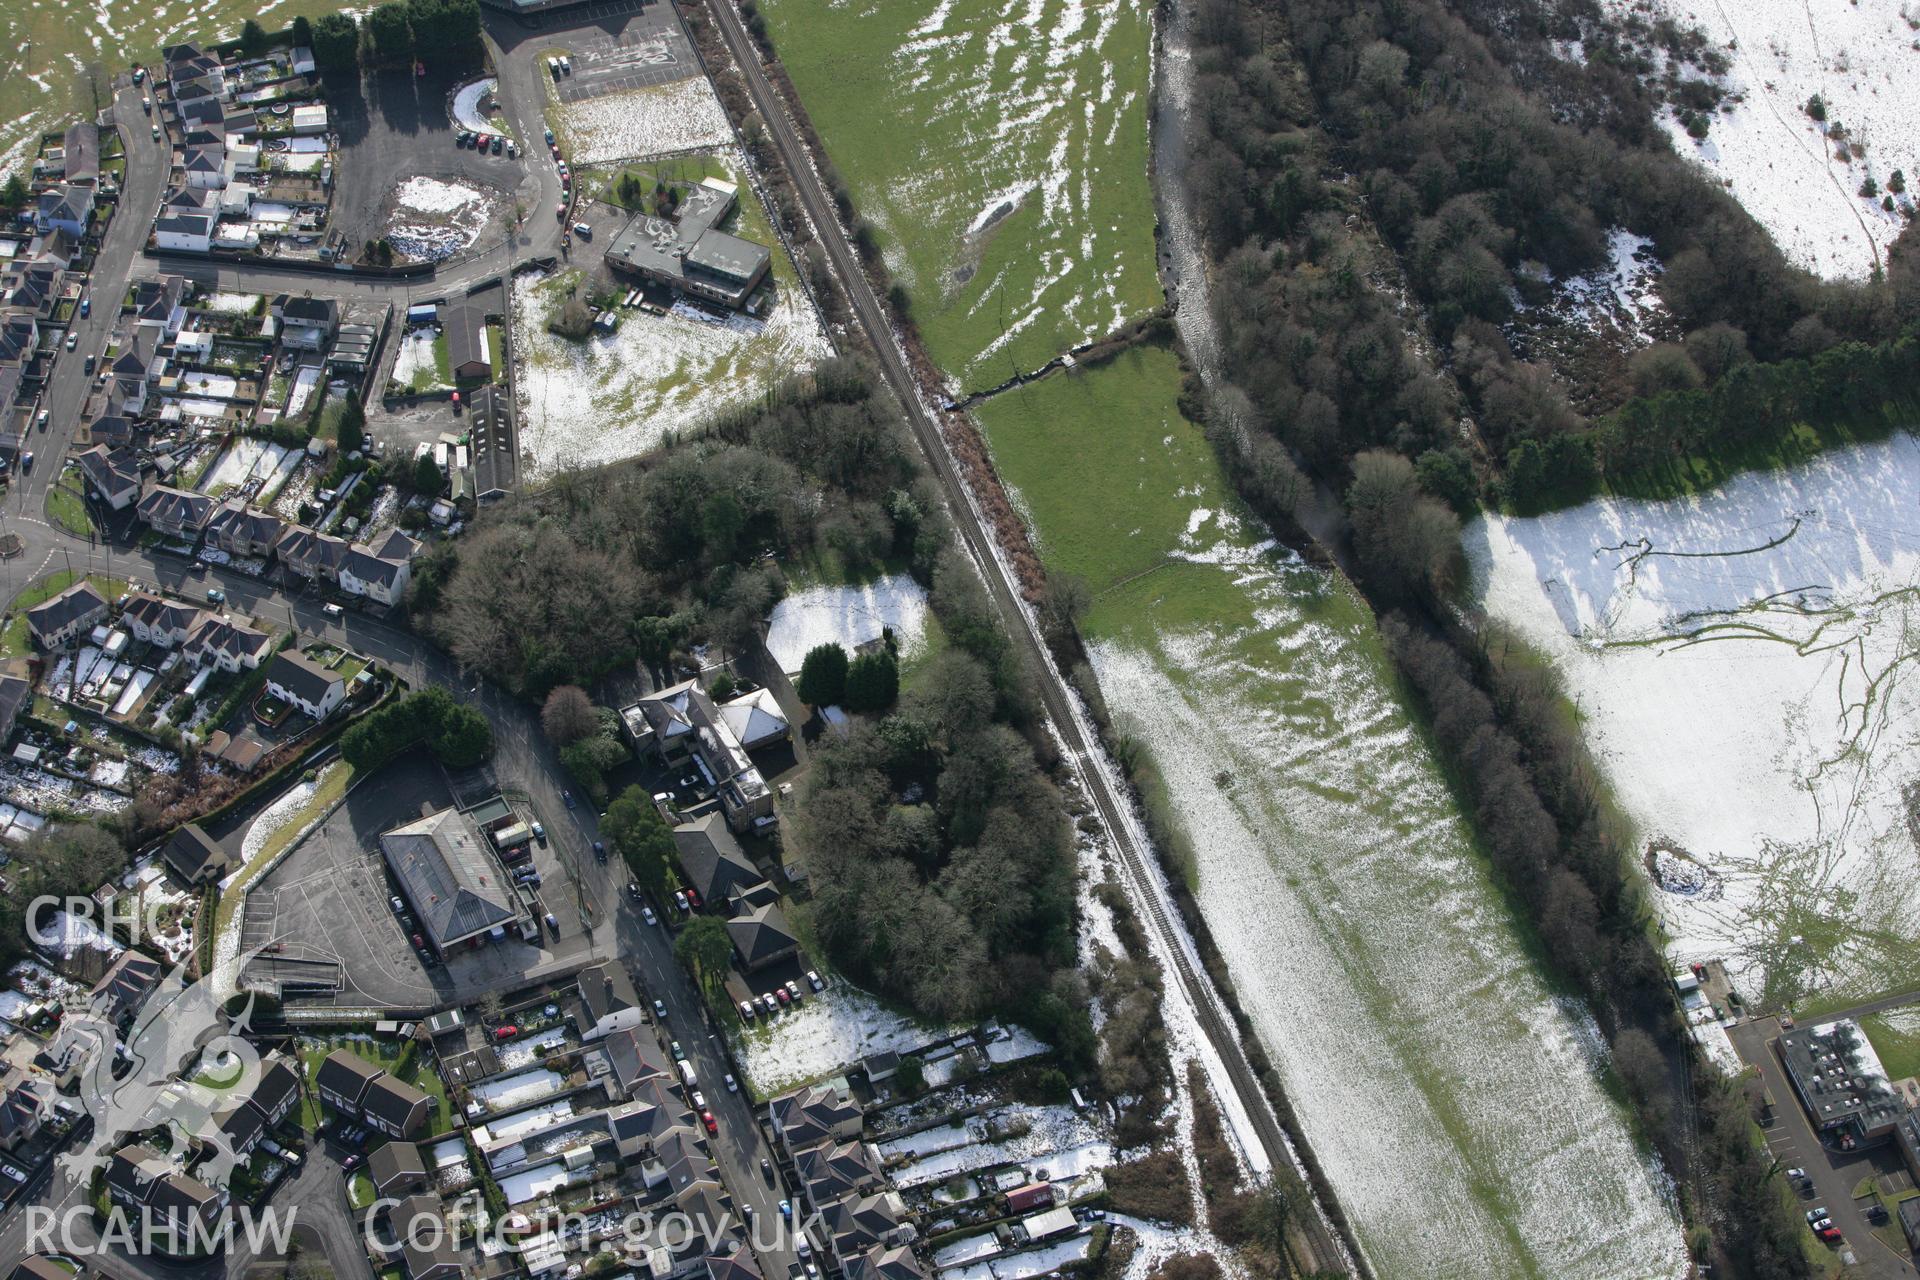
x,y
1116,811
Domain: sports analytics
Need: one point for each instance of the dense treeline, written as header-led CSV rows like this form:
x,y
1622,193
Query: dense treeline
x,y
940,851
1537,805
1488,167
938,848
1372,175
638,560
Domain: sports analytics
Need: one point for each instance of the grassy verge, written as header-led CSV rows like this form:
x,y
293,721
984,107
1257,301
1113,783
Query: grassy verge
x,y
1898,1049
67,510
334,782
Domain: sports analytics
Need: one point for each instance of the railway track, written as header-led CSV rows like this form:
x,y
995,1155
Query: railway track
x,y
1328,1254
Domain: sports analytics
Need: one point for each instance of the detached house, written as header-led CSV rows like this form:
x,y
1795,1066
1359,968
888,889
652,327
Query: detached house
x,y
681,723
67,208
761,936
177,513
397,1169
296,679
608,1002
136,371
158,303
58,619
195,857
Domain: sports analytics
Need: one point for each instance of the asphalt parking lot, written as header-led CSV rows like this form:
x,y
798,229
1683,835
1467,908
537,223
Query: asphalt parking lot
x,y
649,50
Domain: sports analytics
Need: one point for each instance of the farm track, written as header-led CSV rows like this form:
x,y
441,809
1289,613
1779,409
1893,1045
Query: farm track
x,y
1328,1255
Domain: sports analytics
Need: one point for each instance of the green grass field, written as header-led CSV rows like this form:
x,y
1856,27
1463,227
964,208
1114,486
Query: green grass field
x,y
62,57
987,103
1328,854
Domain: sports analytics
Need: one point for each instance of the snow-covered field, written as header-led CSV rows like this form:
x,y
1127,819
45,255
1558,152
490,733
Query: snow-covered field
x,y
681,116
1862,59
1742,660
415,357
852,616
617,395
1373,954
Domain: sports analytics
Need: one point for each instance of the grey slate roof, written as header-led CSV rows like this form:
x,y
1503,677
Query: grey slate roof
x,y
301,676
712,859
455,884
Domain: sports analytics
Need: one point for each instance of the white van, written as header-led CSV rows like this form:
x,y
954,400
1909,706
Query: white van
x,y
687,1077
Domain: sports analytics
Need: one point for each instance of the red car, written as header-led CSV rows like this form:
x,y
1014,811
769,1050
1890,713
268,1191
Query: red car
x,y
506,1032
419,943
1830,1234
693,899
706,1118
780,994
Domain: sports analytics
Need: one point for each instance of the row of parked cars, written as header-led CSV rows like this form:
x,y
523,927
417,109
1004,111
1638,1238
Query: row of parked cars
x,y
780,997
486,143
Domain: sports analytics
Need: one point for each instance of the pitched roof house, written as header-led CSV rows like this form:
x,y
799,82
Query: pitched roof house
x,y
158,620
711,859
61,617
241,530
114,474
177,513
125,985
814,1114
304,683
762,937
457,887
195,857
226,644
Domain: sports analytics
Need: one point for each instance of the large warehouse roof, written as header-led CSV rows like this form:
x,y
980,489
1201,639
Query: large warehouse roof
x,y
454,882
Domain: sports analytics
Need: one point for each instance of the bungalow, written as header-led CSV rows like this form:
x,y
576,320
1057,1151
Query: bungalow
x,y
296,679
240,530
608,1002
311,555
380,573
397,1169
195,857
58,619
157,620
814,1114
112,474
80,154
468,355
125,986
177,513
762,937
226,644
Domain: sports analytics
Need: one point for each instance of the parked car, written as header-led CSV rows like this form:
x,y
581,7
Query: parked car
x,y
73,340
699,1100
513,150
1830,1234
419,942
733,1086
675,1046
40,420
600,852
399,907
793,989
498,144
333,610
566,798
706,1118
426,957
633,890
1814,1215
352,1162
549,137
780,994
746,1015
507,1032
813,980
13,1173
768,1003
539,833
26,460
680,899
216,596
86,307
146,105
139,75
553,924
156,133
693,899
660,1010
786,1208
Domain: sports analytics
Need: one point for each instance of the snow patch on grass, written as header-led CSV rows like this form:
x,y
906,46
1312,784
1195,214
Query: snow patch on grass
x,y
849,616
829,1033
1862,60
1743,661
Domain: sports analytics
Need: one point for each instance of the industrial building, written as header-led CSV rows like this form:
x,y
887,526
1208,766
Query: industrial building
x,y
687,253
